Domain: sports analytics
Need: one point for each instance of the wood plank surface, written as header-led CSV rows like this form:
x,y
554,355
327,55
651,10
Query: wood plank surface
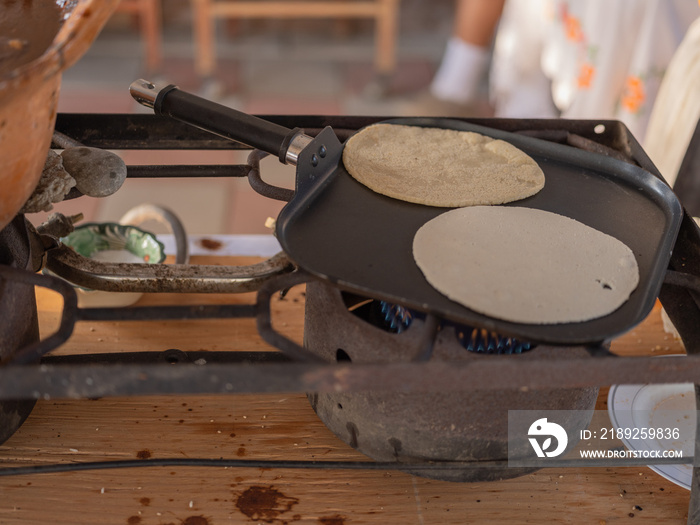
x,y
276,427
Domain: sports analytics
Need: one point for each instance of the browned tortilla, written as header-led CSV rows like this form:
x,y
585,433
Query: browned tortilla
x,y
440,167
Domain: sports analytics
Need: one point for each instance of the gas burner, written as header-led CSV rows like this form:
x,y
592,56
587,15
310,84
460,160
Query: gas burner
x,y
396,319
434,426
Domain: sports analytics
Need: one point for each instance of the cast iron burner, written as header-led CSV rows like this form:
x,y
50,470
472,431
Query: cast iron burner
x,y
436,426
406,373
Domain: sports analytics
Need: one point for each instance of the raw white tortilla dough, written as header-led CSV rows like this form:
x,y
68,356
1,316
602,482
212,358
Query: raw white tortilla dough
x,y
440,167
525,265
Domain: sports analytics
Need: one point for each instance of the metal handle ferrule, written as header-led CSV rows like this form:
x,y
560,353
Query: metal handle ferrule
x,y
298,142
146,92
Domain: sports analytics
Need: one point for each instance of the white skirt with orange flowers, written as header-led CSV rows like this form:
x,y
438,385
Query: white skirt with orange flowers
x,y
586,58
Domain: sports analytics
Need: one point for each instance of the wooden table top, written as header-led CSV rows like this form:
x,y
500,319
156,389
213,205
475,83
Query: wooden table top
x,y
276,427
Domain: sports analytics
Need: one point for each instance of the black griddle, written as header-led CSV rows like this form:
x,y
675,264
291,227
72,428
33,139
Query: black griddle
x,y
341,231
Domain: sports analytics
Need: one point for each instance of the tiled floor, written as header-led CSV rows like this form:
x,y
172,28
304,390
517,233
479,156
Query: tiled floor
x,y
276,69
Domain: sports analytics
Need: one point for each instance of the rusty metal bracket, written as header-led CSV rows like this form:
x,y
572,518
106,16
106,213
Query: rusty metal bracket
x,y
32,352
174,278
259,185
264,316
491,373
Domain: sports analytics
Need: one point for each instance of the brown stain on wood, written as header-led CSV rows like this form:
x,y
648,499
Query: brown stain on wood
x,y
264,503
191,520
210,244
195,520
133,520
144,454
332,520
240,452
145,501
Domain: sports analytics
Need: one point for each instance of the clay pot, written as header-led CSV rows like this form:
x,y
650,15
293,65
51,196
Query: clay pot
x,y
29,97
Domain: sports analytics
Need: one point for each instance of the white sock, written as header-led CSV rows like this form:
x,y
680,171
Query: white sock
x,y
460,73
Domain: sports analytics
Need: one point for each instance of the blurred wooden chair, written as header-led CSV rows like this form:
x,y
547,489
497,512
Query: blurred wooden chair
x,y
384,13
148,13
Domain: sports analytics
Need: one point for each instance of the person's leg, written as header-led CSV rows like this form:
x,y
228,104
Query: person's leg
x,y
476,20
466,57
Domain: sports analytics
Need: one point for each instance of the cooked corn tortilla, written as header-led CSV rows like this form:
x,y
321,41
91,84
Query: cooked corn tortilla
x,y
440,167
525,265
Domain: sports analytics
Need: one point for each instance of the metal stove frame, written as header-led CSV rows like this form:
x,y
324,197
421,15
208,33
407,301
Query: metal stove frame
x,y
22,376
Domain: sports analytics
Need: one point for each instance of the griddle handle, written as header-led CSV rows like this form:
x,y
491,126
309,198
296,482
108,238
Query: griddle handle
x,y
169,100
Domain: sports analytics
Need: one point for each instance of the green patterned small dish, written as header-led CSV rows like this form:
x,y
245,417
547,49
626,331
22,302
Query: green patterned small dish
x,y
112,242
